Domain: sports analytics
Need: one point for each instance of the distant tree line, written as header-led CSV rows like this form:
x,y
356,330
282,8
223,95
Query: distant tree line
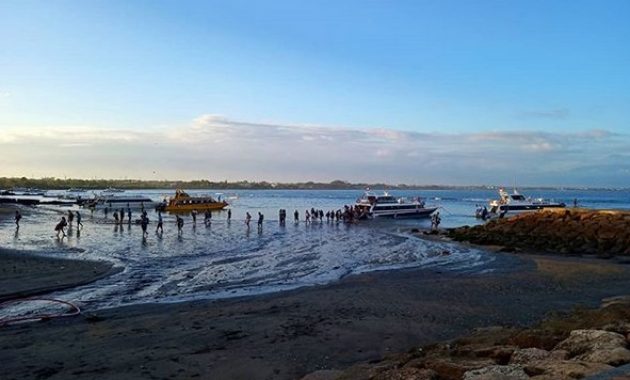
x,y
52,183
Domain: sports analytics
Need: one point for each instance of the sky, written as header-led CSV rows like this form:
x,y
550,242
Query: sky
x,y
416,92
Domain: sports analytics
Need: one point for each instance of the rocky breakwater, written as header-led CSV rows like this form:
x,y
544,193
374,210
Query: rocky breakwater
x,y
581,344
568,231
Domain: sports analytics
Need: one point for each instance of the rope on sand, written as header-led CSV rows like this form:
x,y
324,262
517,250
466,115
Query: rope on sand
x,y
74,311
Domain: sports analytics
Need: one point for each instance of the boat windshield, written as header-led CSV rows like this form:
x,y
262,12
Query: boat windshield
x,y
387,199
518,197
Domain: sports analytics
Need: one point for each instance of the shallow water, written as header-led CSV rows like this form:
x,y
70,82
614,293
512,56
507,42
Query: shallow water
x,y
229,259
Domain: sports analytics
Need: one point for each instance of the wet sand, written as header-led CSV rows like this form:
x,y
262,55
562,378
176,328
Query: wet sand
x,y
287,335
25,274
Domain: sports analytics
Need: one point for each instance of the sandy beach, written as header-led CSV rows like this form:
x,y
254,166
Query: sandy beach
x,y
25,274
290,334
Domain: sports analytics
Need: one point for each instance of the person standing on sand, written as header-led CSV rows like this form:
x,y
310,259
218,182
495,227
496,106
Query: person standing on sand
x,y
18,216
180,225
193,213
144,223
60,227
116,217
248,218
129,215
435,221
70,218
261,217
79,224
308,217
208,218
159,223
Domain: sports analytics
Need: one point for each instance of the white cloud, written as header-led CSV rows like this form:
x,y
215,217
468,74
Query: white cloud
x,y
216,147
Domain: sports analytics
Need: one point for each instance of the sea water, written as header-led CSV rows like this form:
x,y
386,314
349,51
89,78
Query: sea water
x,y
228,259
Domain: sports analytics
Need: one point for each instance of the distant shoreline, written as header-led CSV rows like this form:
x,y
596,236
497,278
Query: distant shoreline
x,y
7,183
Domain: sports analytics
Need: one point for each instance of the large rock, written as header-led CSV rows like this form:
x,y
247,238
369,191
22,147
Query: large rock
x,y
563,369
497,372
455,368
596,346
527,355
563,231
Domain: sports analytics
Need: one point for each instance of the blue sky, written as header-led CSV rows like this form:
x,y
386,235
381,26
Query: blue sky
x,y
552,78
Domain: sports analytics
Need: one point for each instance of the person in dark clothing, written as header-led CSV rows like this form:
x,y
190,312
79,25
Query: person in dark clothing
x,y
159,224
70,218
144,223
79,224
18,216
60,227
261,217
296,216
229,216
193,213
180,224
208,218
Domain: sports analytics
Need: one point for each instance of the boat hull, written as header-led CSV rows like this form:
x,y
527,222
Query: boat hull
x,y
116,205
395,214
198,207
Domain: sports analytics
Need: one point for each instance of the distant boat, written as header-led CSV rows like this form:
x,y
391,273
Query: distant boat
x,y
385,205
76,190
28,191
182,202
115,202
111,190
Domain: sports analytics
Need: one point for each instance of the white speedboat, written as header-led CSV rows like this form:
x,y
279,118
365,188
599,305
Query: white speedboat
x,y
113,202
516,203
385,205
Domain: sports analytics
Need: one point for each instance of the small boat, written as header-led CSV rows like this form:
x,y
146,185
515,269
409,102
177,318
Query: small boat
x,y
76,190
111,190
385,205
182,202
516,203
115,202
29,191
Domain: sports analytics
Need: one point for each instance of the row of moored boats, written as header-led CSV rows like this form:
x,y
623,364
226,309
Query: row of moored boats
x,y
370,205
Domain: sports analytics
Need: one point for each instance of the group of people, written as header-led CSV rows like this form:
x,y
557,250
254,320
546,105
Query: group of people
x,y
348,215
60,228
119,215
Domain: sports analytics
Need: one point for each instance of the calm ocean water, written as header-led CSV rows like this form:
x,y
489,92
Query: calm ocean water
x,y
227,259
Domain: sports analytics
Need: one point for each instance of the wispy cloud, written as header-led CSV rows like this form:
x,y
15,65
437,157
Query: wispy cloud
x,y
217,147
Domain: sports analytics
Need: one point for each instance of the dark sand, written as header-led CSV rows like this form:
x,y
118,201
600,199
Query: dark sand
x,y
287,335
23,274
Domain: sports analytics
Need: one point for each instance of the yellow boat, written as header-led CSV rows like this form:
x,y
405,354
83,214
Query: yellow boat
x,y
182,202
